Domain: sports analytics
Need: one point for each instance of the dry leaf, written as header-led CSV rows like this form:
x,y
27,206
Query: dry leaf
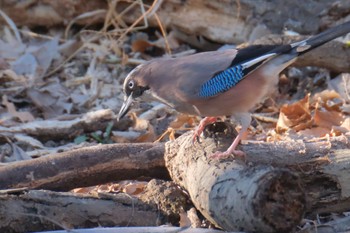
x,y
314,132
327,119
149,136
341,84
84,190
296,116
10,46
170,132
23,138
184,220
329,99
68,47
346,124
135,188
44,54
109,188
343,128
25,65
35,62
140,45
23,116
115,188
345,108
171,41
193,218
326,95
139,123
18,153
52,99
125,136
3,64
181,120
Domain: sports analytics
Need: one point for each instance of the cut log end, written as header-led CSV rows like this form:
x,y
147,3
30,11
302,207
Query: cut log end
x,y
281,205
255,199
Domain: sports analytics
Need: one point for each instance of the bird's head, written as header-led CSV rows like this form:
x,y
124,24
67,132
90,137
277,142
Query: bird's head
x,y
133,87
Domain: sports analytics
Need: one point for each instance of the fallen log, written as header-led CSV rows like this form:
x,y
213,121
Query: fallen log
x,y
39,210
233,195
222,190
323,166
57,129
86,167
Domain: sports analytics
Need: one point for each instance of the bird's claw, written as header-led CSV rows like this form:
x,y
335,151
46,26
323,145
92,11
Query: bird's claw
x,y
197,133
223,155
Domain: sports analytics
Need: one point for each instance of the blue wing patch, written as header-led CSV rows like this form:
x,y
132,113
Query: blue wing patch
x,y
222,81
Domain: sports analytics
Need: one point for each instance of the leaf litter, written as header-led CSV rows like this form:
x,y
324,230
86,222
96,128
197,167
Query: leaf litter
x,y
61,91
34,90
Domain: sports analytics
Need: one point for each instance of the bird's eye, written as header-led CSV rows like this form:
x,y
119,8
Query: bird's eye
x,y
131,84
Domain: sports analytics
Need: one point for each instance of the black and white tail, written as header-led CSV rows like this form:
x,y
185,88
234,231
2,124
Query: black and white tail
x,y
304,46
295,49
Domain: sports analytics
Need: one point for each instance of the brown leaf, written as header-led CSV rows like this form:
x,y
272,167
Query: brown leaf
x,y
184,220
139,123
171,41
23,116
140,45
341,85
84,190
10,47
296,116
52,99
135,188
109,188
17,153
329,99
345,108
343,128
181,120
326,95
37,59
143,125
314,132
170,132
149,136
327,119
4,64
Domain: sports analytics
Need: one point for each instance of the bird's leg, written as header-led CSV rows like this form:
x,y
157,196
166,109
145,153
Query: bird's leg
x,y
204,122
245,120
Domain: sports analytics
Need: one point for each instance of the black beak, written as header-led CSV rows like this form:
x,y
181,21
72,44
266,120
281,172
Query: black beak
x,y
125,107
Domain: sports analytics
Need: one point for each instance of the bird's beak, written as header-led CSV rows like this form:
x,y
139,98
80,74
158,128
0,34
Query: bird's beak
x,y
125,107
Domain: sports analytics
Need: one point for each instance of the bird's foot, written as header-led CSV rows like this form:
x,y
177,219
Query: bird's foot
x,y
198,131
223,155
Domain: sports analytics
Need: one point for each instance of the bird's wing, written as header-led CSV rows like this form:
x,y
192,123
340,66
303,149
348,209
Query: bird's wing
x,y
209,74
182,77
181,80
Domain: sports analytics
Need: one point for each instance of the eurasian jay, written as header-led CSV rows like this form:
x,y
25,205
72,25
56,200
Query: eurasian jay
x,y
219,83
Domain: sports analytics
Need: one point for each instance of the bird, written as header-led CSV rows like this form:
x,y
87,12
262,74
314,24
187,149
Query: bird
x,y
219,83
